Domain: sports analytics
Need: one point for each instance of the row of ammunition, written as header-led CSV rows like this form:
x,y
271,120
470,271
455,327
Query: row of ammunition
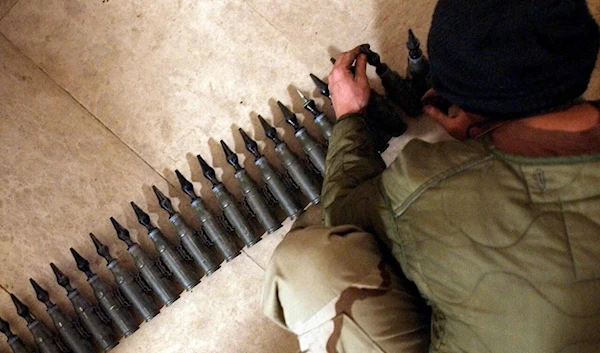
x,y
98,327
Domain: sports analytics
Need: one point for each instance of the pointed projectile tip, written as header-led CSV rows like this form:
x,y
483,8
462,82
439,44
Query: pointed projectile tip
x,y
265,125
208,171
82,264
22,309
61,278
41,293
122,232
16,301
231,157
101,249
186,186
143,219
5,329
321,85
332,60
163,201
245,136
270,131
78,258
56,270
263,122
413,43
315,79
304,99
203,163
250,144
226,149
289,116
96,241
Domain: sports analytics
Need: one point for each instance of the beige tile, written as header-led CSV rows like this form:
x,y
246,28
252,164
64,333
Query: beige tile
x,y
167,77
5,6
261,252
321,29
221,315
63,174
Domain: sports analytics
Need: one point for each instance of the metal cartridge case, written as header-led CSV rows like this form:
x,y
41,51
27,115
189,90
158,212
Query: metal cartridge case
x,y
151,273
120,317
400,92
67,331
302,178
171,258
194,246
43,337
140,301
17,345
315,152
257,202
276,185
235,216
324,125
226,246
102,334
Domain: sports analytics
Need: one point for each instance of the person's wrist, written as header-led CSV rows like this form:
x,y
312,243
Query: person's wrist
x,y
343,113
359,113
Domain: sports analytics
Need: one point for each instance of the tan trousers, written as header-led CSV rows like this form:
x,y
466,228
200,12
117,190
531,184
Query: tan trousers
x,y
330,287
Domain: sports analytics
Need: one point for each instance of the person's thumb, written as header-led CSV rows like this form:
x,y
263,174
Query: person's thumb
x,y
361,68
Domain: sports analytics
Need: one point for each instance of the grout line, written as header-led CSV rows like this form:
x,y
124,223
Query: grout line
x,y
267,21
365,28
9,10
264,270
89,112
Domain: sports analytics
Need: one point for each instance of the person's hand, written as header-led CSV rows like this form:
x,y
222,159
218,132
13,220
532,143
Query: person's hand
x,y
458,123
350,91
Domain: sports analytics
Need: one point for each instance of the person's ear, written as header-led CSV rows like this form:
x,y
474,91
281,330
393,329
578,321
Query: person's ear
x,y
458,123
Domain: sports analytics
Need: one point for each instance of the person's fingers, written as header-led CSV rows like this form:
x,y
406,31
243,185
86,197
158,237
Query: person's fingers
x,y
346,59
361,68
435,114
430,93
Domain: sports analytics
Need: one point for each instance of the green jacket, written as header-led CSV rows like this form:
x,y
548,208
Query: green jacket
x,y
506,249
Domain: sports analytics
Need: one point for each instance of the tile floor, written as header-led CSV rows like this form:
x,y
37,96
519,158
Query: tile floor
x,y
102,99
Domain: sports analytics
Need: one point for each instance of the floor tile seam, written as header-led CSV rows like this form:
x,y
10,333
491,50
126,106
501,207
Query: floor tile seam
x,y
263,270
9,10
365,28
267,21
130,148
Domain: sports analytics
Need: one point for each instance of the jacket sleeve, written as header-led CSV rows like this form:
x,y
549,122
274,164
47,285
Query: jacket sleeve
x,y
351,191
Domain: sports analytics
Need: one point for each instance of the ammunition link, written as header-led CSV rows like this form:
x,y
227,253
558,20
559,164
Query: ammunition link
x,y
225,222
271,200
247,209
122,299
309,165
102,315
289,182
185,255
61,345
164,270
205,239
79,327
143,284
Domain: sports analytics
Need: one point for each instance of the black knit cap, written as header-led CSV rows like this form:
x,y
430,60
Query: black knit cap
x,y
507,59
